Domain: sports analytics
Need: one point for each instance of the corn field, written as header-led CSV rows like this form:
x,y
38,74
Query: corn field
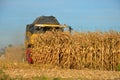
x,y
79,50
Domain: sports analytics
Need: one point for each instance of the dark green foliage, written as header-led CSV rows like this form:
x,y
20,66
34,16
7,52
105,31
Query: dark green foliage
x,y
118,67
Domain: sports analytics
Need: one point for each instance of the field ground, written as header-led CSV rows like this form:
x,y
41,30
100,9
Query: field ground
x,y
49,72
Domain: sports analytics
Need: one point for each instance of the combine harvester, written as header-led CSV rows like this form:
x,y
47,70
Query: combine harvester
x,y
41,25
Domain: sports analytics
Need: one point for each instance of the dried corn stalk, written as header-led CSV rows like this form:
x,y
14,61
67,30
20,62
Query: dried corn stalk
x,y
93,50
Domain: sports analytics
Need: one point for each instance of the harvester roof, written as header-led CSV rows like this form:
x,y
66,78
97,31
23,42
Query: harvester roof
x,y
46,20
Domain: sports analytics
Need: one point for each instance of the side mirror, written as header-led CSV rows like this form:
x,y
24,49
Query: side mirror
x,y
70,28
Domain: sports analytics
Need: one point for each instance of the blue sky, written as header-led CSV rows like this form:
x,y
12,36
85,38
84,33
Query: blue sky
x,y
82,15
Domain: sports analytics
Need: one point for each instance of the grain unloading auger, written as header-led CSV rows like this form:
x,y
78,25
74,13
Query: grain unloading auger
x,y
41,25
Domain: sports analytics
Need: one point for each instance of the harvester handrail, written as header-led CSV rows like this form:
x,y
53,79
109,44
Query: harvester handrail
x,y
49,25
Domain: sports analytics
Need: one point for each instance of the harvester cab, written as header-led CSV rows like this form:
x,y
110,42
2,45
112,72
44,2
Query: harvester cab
x,y
46,23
